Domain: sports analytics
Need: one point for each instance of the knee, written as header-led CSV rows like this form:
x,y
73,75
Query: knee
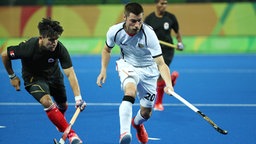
x,y
46,101
130,89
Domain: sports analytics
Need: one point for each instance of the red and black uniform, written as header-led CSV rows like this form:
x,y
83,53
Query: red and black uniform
x,y
42,75
162,27
40,68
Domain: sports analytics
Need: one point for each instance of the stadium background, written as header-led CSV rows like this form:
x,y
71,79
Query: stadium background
x,y
209,27
217,72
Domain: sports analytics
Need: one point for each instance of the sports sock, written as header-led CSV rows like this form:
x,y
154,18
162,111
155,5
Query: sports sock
x,y
160,91
125,116
174,76
139,119
56,117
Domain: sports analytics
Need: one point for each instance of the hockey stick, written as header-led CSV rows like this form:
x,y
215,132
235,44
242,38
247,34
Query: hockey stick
x,y
167,44
66,132
199,112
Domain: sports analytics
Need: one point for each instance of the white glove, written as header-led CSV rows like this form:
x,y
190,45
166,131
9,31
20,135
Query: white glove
x,y
80,103
180,46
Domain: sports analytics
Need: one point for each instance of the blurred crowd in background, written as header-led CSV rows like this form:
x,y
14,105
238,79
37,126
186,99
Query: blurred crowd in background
x,y
79,2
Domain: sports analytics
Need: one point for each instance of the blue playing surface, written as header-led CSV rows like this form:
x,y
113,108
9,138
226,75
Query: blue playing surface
x,y
221,86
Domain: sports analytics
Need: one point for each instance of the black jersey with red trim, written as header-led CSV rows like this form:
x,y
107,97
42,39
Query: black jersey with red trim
x,y
38,62
163,26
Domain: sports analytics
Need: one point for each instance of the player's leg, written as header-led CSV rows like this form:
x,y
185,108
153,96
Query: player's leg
x,y
143,114
129,80
40,91
137,122
58,92
53,113
146,92
160,93
58,119
125,111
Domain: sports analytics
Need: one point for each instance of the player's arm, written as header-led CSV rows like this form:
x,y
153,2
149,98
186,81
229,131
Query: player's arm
x,y
105,57
180,45
164,72
176,29
178,37
71,75
14,80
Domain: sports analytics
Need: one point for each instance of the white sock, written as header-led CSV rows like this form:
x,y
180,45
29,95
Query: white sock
x,y
139,119
125,116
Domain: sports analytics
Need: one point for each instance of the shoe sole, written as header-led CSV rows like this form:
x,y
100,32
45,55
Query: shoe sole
x,y
157,109
126,139
76,141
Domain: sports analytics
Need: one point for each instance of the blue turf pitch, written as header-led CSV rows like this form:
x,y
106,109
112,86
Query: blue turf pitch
x,y
221,86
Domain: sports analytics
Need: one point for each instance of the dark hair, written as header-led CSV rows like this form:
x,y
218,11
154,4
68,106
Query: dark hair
x,y
49,28
134,8
156,1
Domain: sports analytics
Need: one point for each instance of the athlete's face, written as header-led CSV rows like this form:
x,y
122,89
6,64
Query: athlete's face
x,y
48,43
133,23
161,5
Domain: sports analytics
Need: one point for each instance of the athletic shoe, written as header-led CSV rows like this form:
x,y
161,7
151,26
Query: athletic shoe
x,y
73,138
125,138
158,107
174,77
142,134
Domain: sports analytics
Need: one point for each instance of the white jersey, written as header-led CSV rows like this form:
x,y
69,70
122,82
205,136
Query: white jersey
x,y
138,50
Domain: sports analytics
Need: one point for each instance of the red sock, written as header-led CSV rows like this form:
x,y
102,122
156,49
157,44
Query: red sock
x,y
57,118
160,91
174,77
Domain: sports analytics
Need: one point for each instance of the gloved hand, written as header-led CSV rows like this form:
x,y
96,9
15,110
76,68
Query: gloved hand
x,y
80,103
180,46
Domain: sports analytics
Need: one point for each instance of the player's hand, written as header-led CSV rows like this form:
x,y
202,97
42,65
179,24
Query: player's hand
x,y
80,104
15,82
180,46
101,79
167,89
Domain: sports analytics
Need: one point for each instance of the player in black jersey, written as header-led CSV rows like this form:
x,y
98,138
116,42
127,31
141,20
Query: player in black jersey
x,y
41,73
163,22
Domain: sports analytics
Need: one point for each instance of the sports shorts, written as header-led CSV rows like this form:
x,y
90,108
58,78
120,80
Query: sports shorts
x,y
144,77
38,87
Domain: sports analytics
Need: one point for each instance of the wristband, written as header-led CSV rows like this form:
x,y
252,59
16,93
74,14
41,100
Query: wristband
x,y
79,97
12,76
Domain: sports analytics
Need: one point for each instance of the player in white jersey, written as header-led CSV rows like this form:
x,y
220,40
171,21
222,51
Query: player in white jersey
x,y
138,68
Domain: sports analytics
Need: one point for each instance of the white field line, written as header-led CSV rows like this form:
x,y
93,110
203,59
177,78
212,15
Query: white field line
x,y
137,104
152,138
1,127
